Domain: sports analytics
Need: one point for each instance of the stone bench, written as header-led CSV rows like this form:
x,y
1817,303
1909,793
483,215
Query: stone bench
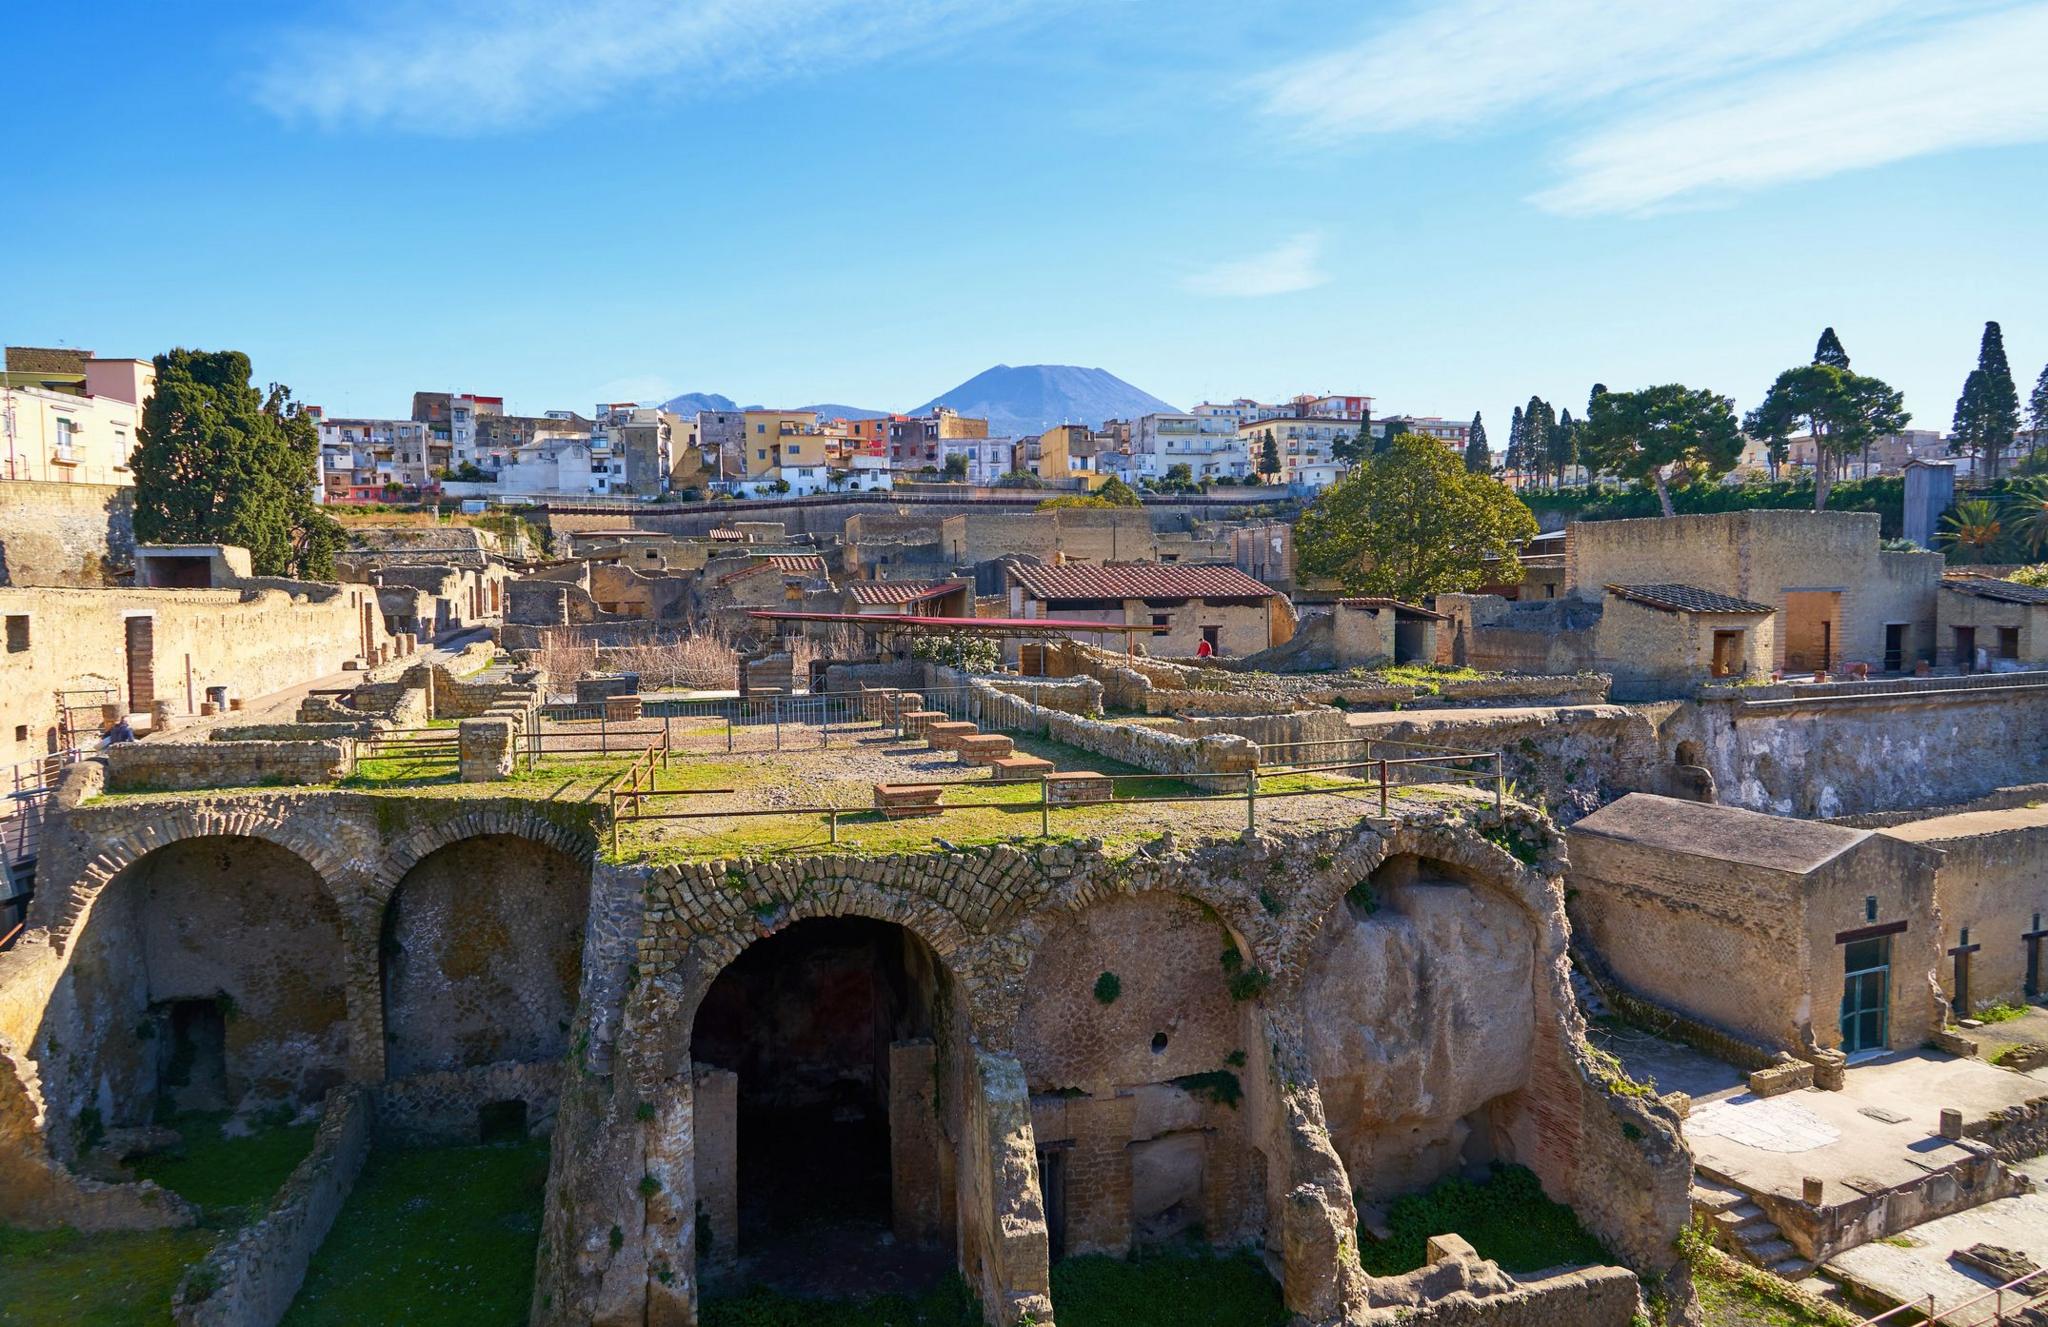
x,y
1077,788
900,800
983,748
914,722
1018,769
1780,1078
946,736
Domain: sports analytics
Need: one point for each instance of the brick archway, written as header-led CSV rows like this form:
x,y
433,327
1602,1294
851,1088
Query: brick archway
x,y
415,846
337,873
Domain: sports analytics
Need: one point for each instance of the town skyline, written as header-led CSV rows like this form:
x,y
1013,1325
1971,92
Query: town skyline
x,y
1435,204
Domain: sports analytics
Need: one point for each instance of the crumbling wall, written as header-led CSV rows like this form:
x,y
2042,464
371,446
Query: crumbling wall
x,y
65,534
163,766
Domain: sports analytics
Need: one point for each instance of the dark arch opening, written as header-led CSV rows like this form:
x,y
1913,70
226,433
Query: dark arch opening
x,y
832,1029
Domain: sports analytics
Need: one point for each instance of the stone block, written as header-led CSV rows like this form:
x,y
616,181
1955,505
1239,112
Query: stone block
x,y
621,709
914,722
983,748
898,801
1781,1078
946,736
484,748
1077,788
1018,769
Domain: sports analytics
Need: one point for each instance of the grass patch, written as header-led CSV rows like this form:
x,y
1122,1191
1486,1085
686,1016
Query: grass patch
x,y
949,1305
1507,1219
442,1236
1733,1301
1166,1290
1999,1011
231,1179
61,1278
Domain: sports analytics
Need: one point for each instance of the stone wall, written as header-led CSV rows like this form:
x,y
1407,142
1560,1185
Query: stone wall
x,y
1993,884
1570,758
1132,744
441,1108
295,732
161,766
64,534
252,1276
1867,750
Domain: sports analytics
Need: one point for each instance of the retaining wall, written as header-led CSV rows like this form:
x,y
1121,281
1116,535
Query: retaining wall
x,y
184,766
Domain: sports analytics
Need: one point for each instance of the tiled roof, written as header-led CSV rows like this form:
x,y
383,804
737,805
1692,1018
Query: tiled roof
x,y
2004,591
732,536
799,564
900,592
1399,606
1139,580
1687,599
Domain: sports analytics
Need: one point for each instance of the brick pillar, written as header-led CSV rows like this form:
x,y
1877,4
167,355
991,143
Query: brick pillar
x,y
363,996
484,749
915,1200
1099,1175
717,1161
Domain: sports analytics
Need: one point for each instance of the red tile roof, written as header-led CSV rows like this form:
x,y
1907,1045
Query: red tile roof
x,y
799,564
1139,580
901,592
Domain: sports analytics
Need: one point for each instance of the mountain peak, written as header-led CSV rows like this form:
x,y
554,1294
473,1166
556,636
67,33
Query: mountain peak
x,y
1031,398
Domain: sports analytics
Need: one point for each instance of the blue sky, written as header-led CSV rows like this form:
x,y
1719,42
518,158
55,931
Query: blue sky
x,y
1447,205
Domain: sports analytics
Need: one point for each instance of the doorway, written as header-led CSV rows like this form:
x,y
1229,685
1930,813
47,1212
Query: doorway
x,y
1966,649
1895,647
1727,653
1866,994
193,1070
1812,627
811,1021
141,646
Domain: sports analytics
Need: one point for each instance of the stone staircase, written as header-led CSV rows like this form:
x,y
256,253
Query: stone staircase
x,y
1741,1228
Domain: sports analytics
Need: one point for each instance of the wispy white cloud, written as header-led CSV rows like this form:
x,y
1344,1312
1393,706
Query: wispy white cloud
x,y
472,66
1978,84
1655,103
1294,264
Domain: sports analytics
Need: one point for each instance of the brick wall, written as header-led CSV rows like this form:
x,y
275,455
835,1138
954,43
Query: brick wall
x,y
160,766
64,534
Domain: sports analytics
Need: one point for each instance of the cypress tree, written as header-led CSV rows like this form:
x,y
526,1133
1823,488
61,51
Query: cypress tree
x,y
1517,457
1829,350
1988,412
217,462
2037,411
1563,443
1537,421
1478,460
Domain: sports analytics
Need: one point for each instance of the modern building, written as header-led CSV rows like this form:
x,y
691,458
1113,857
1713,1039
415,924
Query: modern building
x,y
1305,444
68,416
1211,447
371,460
451,419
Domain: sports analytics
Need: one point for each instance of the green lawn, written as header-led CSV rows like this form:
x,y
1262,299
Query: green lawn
x,y
1731,1301
58,1278
444,1236
1507,1219
950,1305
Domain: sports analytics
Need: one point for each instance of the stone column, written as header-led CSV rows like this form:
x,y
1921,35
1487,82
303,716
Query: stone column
x,y
914,1172
717,1160
363,993
485,750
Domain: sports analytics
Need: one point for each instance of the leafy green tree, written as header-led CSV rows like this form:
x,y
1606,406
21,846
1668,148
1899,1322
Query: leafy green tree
x,y
1352,447
1649,434
218,462
2037,413
1829,350
1269,455
1412,522
1988,412
1974,531
1113,493
1480,461
1839,409
956,467
1019,479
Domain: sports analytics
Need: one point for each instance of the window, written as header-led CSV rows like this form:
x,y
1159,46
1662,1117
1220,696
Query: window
x,y
21,732
2008,642
17,632
1162,620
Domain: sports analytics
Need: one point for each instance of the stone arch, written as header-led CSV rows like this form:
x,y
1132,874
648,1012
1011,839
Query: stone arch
x,y
176,825
477,949
416,845
224,955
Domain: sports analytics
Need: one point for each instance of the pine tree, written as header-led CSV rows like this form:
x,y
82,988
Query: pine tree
x,y
1829,350
1479,461
217,462
1269,454
1537,421
1515,461
2037,412
1988,412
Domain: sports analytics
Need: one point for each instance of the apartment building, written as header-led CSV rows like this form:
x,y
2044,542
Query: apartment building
x,y
362,460
68,416
1305,445
451,420
1210,446
1243,410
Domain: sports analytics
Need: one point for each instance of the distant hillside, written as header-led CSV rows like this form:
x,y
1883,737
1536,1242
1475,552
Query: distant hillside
x,y
689,403
1031,398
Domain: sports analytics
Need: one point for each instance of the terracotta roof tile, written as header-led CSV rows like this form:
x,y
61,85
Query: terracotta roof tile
x,y
2005,591
900,592
1139,580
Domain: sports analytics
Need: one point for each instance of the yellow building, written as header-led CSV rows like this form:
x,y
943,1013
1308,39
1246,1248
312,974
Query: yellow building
x,y
952,425
767,432
69,417
1057,447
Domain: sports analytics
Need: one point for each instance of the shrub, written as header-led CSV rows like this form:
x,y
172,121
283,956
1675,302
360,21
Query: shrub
x,y
1507,1219
1108,987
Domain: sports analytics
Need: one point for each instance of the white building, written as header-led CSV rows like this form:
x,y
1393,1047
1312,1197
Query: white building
x,y
1304,444
373,454
988,459
555,466
1209,445
1241,411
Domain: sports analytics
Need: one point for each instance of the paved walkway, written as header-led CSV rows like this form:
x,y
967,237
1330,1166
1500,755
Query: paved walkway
x,y
1910,1267
1881,1130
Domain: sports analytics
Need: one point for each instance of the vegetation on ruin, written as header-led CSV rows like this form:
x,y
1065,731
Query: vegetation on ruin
x,y
1179,1288
1999,1011
1508,1219
1735,1294
123,1277
442,1235
1412,522
950,1304
218,462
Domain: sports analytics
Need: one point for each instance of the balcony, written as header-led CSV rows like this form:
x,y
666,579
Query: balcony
x,y
64,453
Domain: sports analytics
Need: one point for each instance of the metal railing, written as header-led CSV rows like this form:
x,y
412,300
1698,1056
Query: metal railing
x,y
1415,762
25,791
738,724
2002,1303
